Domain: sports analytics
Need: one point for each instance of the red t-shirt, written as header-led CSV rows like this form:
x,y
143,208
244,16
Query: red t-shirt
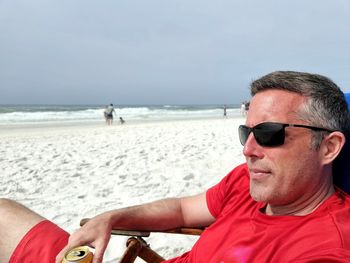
x,y
242,233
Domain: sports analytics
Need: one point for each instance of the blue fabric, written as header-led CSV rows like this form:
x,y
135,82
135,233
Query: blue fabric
x,y
341,167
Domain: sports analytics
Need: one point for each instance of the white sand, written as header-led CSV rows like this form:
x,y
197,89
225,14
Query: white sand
x,y
70,172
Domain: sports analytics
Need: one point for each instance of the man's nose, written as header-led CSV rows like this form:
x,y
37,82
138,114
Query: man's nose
x,y
251,147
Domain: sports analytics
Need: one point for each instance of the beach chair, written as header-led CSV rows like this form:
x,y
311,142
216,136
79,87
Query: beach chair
x,y
136,246
341,166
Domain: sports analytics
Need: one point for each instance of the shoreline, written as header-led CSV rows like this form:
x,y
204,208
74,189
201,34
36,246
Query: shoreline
x,y
15,128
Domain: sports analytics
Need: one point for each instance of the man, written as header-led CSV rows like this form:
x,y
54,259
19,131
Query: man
x,y
225,111
108,113
281,206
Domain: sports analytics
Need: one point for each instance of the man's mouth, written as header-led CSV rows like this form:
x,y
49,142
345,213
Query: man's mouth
x,y
259,174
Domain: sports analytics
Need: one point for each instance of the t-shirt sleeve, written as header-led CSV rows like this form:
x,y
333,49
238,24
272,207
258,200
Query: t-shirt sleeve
x,y
233,183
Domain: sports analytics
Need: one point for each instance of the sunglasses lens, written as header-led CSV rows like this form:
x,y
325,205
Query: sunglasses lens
x,y
269,134
243,132
266,134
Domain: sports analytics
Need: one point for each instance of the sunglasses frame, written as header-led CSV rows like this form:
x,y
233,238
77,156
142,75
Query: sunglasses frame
x,y
268,141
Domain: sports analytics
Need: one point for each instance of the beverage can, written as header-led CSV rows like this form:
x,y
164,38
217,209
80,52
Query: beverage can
x,y
78,255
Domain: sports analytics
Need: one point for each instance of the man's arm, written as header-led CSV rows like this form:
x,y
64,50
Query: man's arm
x,y
195,211
159,215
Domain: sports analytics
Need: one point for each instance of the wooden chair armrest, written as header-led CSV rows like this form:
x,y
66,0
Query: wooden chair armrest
x,y
146,233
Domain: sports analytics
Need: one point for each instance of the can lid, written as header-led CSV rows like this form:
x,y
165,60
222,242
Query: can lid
x,y
77,254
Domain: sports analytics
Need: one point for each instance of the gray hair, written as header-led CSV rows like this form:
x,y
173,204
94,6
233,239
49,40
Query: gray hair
x,y
325,106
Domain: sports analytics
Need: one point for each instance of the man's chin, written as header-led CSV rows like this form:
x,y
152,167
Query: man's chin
x,y
260,196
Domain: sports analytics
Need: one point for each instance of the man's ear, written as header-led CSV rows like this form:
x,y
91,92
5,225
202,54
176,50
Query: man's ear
x,y
331,146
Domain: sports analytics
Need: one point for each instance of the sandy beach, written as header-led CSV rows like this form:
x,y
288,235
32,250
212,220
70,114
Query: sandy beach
x,y
68,172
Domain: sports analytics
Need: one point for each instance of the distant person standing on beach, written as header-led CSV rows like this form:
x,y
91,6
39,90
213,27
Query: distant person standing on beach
x,y
246,105
225,111
109,114
243,108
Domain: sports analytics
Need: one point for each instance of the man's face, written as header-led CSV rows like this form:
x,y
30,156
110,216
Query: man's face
x,y
286,174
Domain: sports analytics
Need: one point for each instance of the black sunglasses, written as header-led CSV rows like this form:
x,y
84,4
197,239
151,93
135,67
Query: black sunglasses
x,y
270,134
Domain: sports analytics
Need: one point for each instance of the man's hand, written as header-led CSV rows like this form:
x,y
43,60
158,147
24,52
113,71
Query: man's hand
x,y
95,233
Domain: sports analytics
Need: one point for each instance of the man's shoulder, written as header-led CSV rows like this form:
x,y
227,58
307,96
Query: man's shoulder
x,y
237,179
240,172
338,208
241,168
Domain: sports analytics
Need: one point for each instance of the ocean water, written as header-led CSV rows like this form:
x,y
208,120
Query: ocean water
x,y
26,114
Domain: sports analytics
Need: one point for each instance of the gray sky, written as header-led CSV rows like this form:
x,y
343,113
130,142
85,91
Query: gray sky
x,y
164,52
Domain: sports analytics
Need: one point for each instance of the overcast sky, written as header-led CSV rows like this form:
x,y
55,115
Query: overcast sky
x,y
164,52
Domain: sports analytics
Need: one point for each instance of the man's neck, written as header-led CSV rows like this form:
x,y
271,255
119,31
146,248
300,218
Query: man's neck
x,y
301,208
